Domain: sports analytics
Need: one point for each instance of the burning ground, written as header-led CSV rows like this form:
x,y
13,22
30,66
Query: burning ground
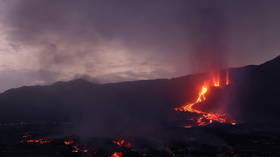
x,y
215,140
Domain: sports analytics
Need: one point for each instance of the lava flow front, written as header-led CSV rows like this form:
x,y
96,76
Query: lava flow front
x,y
205,117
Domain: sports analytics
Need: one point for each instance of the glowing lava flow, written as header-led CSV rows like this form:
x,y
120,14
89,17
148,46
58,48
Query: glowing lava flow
x,y
206,118
75,148
117,154
40,141
122,143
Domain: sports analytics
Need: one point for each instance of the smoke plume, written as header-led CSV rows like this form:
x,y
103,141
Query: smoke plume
x,y
210,44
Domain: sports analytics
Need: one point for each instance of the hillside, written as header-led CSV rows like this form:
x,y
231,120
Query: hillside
x,y
252,97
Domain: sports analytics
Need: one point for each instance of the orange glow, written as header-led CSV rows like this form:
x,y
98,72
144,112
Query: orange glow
x,y
227,78
76,149
69,142
26,136
122,143
39,141
84,150
206,118
117,154
216,80
233,122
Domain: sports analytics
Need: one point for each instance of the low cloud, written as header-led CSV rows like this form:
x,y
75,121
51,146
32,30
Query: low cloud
x,y
125,40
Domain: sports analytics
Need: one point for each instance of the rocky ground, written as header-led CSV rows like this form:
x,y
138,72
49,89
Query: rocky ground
x,y
53,140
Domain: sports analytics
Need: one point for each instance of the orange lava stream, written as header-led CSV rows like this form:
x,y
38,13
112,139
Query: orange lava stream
x,y
207,117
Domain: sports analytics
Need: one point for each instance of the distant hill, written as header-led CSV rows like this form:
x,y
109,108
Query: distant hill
x,y
138,106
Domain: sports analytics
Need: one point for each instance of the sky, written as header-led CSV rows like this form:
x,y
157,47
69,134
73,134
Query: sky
x,y
43,41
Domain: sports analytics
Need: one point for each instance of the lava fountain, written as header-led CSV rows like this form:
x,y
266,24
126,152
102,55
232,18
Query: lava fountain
x,y
205,117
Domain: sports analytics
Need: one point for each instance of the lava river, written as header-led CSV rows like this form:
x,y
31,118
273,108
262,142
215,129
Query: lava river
x,y
205,117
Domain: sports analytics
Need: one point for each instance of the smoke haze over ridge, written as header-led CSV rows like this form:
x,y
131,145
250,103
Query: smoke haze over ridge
x,y
123,40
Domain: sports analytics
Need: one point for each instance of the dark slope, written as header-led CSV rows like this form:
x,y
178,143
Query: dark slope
x,y
257,92
253,96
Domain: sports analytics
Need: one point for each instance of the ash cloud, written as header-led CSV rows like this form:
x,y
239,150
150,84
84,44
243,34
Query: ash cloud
x,y
72,37
211,39
159,38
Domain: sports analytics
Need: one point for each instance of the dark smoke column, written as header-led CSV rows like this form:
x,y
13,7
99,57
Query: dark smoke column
x,y
210,40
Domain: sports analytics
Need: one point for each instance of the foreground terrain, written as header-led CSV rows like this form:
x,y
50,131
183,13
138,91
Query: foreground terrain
x,y
56,140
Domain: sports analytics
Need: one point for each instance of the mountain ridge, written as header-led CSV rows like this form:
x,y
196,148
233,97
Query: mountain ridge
x,y
145,104
272,62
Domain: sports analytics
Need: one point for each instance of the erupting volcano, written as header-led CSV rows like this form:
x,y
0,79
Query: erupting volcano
x,y
205,117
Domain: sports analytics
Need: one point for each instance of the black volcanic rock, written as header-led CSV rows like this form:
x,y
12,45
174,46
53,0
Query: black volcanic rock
x,y
256,92
139,106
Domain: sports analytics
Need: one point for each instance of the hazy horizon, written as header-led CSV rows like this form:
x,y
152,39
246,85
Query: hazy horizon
x,y
109,41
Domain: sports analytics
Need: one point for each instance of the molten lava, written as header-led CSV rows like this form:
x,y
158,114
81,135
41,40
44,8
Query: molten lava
x,y
117,154
122,143
39,141
75,148
206,118
216,80
68,142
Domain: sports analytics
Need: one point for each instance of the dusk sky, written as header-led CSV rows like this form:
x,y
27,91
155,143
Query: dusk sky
x,y
43,41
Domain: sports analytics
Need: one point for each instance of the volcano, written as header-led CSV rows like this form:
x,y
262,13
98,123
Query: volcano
x,y
236,113
137,107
